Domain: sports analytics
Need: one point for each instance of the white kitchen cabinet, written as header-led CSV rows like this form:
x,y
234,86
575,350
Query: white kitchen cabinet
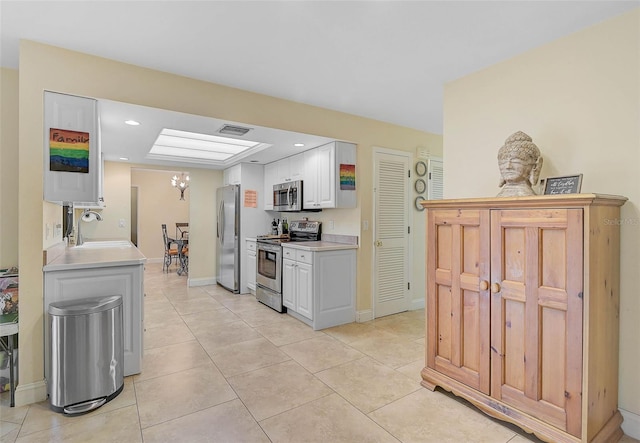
x,y
319,287
126,281
290,169
71,122
322,188
310,185
297,282
270,179
289,283
251,265
232,175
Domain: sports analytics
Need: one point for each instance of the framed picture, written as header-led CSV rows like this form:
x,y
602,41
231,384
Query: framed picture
x,y
566,184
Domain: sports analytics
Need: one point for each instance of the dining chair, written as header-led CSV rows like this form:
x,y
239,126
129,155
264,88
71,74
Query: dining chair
x,y
170,249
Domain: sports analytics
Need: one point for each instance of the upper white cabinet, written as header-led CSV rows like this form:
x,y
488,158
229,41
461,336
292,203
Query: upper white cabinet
x,y
71,150
310,185
231,176
270,179
290,169
329,175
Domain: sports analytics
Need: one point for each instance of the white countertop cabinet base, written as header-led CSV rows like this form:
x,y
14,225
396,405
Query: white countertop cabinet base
x,y
320,289
126,281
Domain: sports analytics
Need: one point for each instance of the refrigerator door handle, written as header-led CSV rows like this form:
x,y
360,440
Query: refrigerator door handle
x,y
221,222
218,223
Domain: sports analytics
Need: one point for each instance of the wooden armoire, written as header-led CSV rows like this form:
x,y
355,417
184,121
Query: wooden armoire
x,y
522,310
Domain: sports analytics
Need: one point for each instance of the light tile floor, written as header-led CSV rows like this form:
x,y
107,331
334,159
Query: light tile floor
x,y
220,367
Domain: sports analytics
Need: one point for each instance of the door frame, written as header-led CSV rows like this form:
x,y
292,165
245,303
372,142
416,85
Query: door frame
x,y
409,253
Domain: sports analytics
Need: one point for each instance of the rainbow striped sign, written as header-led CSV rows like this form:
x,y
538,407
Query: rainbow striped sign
x,y
68,150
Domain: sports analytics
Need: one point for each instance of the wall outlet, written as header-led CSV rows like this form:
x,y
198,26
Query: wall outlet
x,y
365,225
331,225
121,223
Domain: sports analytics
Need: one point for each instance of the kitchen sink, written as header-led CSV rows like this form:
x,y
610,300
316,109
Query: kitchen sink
x,y
89,244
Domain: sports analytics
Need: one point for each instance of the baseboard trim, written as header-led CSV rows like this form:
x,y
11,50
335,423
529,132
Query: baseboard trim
x,y
364,316
631,424
417,303
204,281
27,394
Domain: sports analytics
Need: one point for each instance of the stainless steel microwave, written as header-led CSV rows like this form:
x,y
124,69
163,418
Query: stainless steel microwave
x,y
287,196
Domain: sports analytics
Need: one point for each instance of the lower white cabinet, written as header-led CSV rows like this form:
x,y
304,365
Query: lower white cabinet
x,y
251,265
297,283
319,287
126,281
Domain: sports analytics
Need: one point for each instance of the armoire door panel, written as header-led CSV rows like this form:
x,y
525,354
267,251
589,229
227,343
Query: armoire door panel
x,y
530,314
443,349
458,313
470,323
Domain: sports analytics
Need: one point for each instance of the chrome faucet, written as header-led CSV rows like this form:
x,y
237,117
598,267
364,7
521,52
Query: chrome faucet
x,y
79,239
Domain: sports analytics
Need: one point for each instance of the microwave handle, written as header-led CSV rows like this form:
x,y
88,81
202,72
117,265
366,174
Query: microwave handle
x,y
289,195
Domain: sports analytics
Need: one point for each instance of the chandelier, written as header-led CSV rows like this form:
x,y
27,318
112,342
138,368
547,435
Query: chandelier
x,y
181,182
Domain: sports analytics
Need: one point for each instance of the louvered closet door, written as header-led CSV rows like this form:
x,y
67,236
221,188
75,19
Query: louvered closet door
x,y
435,178
536,313
458,301
391,233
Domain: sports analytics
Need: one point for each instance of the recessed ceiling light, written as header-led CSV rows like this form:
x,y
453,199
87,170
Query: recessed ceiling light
x,y
132,122
298,145
124,158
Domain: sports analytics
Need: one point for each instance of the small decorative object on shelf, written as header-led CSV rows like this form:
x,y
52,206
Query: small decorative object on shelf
x,y
520,163
567,184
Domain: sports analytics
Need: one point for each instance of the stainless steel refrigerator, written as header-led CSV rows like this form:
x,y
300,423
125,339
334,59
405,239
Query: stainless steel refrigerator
x,y
228,237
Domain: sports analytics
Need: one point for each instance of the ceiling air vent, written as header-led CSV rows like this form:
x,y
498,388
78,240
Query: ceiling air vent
x,y
233,130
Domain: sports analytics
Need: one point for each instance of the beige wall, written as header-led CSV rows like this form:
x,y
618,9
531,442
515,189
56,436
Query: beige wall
x,y
8,168
158,203
44,67
578,97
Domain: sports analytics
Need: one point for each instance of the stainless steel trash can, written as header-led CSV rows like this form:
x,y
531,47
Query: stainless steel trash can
x,y
87,353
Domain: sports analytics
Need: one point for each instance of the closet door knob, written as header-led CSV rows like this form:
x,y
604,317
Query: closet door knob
x,y
484,285
495,288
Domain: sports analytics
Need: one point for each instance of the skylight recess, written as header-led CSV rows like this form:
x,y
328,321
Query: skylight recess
x,y
193,147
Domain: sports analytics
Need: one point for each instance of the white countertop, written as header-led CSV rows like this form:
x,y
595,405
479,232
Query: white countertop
x,y
85,258
318,246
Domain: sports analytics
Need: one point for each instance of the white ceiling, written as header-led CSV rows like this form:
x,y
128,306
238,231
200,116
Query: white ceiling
x,y
386,60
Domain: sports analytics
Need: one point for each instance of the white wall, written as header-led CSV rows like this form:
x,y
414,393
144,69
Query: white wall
x,y
579,98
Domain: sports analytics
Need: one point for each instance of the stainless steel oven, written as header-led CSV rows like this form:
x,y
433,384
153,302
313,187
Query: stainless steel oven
x,y
269,270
